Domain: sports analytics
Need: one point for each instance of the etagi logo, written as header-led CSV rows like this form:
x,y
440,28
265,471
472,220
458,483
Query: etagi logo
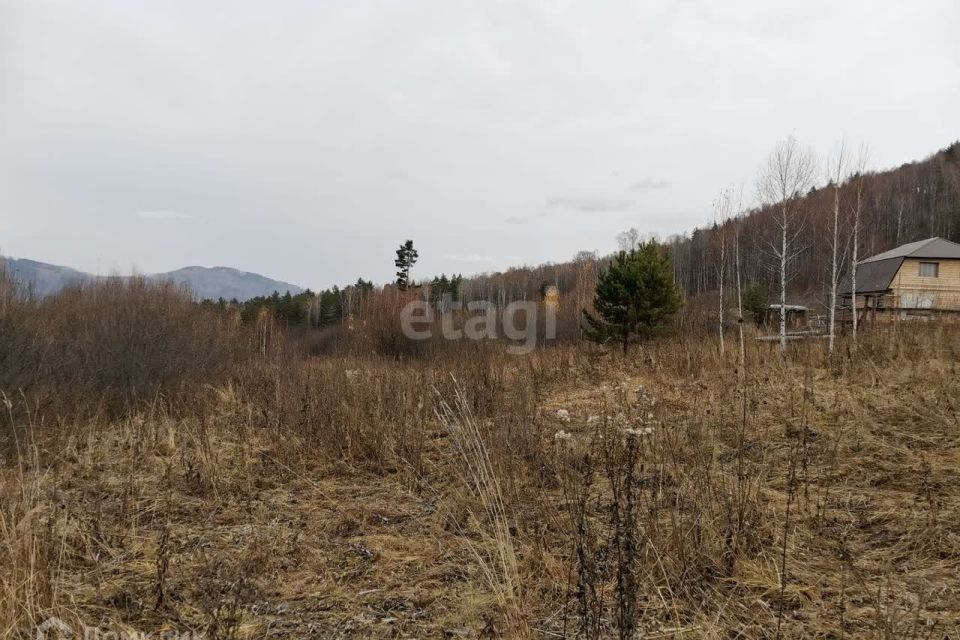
x,y
56,629
519,321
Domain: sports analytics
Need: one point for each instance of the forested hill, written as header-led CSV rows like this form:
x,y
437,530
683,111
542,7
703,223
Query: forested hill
x,y
914,201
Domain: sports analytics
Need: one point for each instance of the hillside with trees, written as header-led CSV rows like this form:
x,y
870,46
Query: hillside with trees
x,y
914,201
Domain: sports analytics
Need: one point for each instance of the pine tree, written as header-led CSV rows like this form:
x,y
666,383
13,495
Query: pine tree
x,y
755,303
635,296
438,289
329,306
454,287
406,258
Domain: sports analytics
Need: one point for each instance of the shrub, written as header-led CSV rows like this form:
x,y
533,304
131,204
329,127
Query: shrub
x,y
113,344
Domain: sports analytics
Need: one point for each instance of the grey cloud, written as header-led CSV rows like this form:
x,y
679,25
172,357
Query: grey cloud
x,y
523,219
473,257
650,184
312,137
590,204
165,215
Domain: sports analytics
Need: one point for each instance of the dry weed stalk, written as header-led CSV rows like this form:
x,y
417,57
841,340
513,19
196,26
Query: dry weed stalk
x,y
502,573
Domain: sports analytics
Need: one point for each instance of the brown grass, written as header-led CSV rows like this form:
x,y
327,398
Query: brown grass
x,y
367,496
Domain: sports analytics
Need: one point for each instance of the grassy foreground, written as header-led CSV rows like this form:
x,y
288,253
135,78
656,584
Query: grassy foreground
x,y
571,493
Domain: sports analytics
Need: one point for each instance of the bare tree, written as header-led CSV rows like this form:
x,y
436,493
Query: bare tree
x,y
861,166
722,209
782,183
899,218
629,239
736,260
837,173
585,263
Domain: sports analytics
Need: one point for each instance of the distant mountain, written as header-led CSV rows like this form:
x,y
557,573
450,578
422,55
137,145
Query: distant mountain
x,y
226,283
43,279
205,282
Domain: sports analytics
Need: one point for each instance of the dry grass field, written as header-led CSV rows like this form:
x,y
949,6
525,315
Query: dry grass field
x,y
570,493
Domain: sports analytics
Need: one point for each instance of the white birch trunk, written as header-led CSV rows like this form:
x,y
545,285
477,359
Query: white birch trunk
x,y
858,211
743,348
833,263
853,267
899,222
723,258
783,284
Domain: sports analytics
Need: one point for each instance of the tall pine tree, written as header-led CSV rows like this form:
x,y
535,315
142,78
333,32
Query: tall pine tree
x,y
406,258
635,296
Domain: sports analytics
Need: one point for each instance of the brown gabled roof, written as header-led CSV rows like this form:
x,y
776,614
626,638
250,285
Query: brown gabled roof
x,y
929,248
875,274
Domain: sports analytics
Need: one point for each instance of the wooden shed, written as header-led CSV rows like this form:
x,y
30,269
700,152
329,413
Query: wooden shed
x,y
919,280
796,316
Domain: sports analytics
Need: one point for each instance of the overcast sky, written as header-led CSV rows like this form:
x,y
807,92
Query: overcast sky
x,y
305,140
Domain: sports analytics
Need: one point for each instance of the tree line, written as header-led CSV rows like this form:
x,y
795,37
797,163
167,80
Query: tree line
x,y
915,201
307,309
791,237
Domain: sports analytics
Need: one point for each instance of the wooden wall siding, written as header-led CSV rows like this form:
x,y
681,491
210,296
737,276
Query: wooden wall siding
x,y
912,290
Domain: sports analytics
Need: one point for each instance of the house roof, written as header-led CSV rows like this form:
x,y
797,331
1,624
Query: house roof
x,y
876,272
876,275
929,248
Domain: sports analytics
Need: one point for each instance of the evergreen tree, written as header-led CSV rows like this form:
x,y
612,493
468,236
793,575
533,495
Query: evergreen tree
x,y
439,287
755,304
445,291
635,296
454,287
406,258
330,306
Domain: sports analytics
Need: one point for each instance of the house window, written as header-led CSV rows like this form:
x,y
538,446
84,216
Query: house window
x,y
929,269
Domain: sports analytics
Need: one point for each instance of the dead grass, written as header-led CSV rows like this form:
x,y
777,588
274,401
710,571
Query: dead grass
x,y
325,498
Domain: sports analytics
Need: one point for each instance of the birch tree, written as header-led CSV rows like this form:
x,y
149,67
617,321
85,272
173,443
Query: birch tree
x,y
736,266
736,260
837,173
629,239
861,167
722,208
784,180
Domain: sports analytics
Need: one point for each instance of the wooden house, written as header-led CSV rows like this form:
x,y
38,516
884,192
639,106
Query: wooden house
x,y
919,280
